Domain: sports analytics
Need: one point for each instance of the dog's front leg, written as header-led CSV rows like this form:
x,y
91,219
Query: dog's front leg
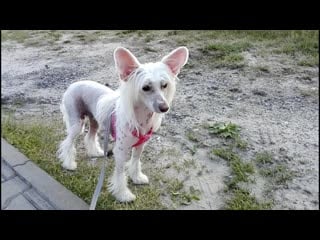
x,y
134,166
118,183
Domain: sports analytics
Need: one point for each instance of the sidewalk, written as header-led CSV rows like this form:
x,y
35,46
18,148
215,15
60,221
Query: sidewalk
x,y
24,186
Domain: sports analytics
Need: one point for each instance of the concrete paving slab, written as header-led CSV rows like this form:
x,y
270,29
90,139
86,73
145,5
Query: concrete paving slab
x,y
20,203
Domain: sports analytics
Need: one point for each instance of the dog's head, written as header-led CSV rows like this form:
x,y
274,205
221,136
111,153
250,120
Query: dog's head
x,y
152,84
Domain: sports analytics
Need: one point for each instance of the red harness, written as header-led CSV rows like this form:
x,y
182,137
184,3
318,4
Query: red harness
x,y
141,138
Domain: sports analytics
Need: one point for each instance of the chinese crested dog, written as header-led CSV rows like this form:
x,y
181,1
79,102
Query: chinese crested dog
x,y
135,111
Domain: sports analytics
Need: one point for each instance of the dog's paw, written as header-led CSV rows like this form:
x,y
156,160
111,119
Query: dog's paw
x,y
96,153
124,196
139,178
69,165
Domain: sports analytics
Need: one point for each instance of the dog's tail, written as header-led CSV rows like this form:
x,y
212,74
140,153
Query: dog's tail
x,y
64,113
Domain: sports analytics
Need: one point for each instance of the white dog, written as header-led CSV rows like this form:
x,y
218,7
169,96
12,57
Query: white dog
x,y
136,109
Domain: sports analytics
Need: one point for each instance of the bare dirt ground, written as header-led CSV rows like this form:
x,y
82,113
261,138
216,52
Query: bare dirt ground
x,y
277,109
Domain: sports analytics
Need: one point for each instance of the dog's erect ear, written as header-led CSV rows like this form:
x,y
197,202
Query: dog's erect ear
x,y
176,59
125,62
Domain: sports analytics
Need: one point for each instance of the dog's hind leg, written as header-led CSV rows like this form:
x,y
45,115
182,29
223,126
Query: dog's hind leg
x,y
67,150
91,140
134,166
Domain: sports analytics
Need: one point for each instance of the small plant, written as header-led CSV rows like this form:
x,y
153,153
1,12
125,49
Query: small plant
x,y
149,38
242,200
181,196
240,170
241,144
264,158
279,174
263,68
191,136
149,49
226,154
225,130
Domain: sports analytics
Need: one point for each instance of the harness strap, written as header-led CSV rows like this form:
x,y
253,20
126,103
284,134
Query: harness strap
x,y
141,138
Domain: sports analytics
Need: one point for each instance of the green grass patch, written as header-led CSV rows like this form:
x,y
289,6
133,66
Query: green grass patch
x,y
39,142
277,173
309,92
223,49
264,158
181,196
241,171
241,144
243,200
149,49
87,36
192,136
309,62
226,154
32,37
149,38
263,68
125,32
15,35
226,54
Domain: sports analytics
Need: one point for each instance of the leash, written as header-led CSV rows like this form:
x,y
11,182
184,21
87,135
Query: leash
x,y
103,168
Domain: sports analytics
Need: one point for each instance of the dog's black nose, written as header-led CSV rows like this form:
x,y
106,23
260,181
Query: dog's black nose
x,y
163,107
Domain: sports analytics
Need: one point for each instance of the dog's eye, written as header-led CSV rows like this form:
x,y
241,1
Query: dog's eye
x,y
146,88
164,85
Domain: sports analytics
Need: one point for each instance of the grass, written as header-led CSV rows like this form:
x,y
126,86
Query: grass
x,y
181,196
279,174
242,200
149,49
39,141
225,48
226,54
188,163
185,165
18,36
149,38
309,62
309,92
192,136
241,171
31,38
263,68
264,158
87,36
220,48
241,144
